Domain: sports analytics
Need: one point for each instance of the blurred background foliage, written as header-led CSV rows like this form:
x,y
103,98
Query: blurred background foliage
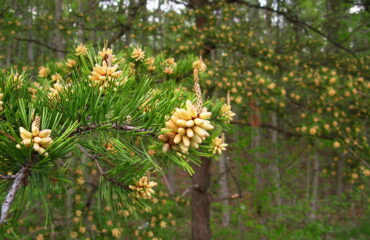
x,y
297,72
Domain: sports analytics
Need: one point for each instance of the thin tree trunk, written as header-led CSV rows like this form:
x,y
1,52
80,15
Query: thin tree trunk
x,y
31,56
256,144
19,51
201,229
275,167
308,179
169,178
58,38
340,174
80,32
224,190
9,54
160,28
30,46
315,186
258,166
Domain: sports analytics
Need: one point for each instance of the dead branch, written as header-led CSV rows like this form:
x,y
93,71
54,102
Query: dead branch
x,y
20,178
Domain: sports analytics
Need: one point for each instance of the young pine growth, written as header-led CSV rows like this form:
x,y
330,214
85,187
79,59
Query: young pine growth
x,y
138,54
39,140
143,188
226,113
102,76
55,90
186,128
219,145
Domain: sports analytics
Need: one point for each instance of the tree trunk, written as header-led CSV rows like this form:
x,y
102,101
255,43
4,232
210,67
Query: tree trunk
x,y
258,167
31,56
315,186
9,54
308,179
340,174
201,229
224,190
80,31
200,203
275,167
58,39
30,45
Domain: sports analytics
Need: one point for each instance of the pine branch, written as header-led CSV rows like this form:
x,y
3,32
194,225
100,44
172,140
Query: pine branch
x,y
101,171
7,177
20,178
8,136
116,126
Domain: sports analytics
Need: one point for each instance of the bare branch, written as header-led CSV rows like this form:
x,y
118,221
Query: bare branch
x,y
272,127
265,125
40,43
124,28
7,177
8,136
185,192
292,18
116,126
20,177
101,171
170,188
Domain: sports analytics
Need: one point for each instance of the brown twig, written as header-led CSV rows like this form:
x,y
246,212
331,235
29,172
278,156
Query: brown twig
x,y
185,192
41,44
8,136
101,170
116,126
170,188
7,177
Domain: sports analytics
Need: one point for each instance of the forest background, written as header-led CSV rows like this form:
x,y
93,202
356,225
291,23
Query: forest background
x,y
296,73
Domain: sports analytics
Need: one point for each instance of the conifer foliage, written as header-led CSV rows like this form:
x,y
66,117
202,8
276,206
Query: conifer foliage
x,y
114,108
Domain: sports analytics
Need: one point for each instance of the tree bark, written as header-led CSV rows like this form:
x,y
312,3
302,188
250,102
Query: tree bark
x,y
201,206
315,186
80,31
200,203
58,38
9,54
224,190
275,167
340,175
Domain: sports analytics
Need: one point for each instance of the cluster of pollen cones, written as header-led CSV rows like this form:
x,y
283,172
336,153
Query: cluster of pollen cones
x,y
186,128
39,140
143,188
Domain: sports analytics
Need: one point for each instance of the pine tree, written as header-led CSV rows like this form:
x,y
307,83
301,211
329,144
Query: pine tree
x,y
115,109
